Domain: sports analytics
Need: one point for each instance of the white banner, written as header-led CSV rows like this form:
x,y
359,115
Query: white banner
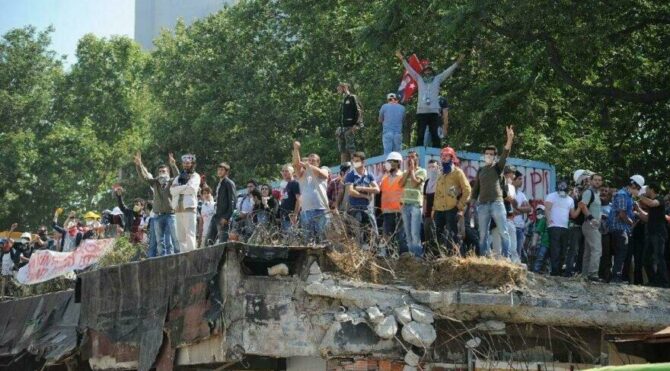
x,y
46,264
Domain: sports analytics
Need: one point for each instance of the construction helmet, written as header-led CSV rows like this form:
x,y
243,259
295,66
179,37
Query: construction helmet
x,y
394,156
638,179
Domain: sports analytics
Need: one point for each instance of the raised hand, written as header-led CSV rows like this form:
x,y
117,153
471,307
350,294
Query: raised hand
x,y
461,58
138,158
510,132
171,159
296,145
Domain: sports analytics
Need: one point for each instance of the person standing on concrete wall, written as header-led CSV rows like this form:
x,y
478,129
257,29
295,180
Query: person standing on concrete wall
x,y
621,219
184,190
428,107
392,117
591,208
351,120
488,193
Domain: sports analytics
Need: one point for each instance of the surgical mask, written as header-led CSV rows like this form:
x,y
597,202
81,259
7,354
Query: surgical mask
x,y
488,159
540,215
387,166
433,174
446,167
137,208
562,194
163,179
357,165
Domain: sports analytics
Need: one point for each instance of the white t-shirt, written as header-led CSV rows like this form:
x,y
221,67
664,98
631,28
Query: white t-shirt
x,y
560,210
520,220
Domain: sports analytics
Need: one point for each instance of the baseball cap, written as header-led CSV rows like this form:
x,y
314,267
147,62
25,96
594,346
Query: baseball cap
x,y
390,96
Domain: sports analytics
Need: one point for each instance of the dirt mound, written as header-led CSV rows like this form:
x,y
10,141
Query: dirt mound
x,y
442,273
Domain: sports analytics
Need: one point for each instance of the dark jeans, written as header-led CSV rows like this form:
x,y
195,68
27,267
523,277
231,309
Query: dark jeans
x,y
576,244
429,234
393,229
446,228
558,245
217,233
605,268
634,259
432,121
620,247
654,260
367,222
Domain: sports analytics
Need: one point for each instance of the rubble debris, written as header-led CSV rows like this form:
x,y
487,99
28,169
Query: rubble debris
x,y
412,359
278,270
492,327
403,314
473,343
387,328
315,274
375,315
421,314
419,334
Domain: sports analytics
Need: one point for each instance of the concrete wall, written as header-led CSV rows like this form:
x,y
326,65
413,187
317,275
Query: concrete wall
x,y
153,15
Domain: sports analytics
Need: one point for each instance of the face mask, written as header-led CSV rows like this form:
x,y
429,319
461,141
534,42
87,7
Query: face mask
x,y
387,166
163,179
488,159
357,164
433,174
540,215
137,208
446,167
562,194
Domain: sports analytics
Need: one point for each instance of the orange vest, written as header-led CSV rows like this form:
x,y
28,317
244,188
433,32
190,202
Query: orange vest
x,y
391,190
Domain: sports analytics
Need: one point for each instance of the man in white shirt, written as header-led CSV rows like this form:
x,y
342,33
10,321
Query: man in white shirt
x,y
559,208
313,181
184,190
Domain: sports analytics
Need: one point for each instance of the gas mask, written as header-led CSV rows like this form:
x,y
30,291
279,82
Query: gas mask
x,y
446,167
562,189
163,179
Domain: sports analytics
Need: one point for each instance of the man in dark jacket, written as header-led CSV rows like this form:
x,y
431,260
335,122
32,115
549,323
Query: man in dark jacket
x,y
225,206
133,216
350,121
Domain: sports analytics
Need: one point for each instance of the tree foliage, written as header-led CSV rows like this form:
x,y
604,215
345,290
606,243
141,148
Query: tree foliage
x,y
586,85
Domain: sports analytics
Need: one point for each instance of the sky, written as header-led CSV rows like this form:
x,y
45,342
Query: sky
x,y
71,19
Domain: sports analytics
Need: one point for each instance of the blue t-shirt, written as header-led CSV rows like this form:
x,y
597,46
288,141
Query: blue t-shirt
x,y
356,179
392,115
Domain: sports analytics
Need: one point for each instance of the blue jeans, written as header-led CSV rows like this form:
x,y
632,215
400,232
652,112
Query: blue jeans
x,y
392,142
166,234
485,212
153,243
411,219
520,239
314,224
540,257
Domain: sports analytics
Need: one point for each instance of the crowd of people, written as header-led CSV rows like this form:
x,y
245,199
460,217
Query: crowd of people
x,y
589,229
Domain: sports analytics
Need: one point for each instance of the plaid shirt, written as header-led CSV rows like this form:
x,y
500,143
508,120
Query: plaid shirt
x,y
622,200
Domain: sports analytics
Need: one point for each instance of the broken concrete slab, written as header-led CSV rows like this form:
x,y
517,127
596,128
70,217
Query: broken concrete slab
x,y
375,315
419,334
403,314
387,328
412,359
421,314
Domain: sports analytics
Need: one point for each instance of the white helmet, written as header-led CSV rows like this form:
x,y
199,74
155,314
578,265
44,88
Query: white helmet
x,y
394,156
638,179
578,174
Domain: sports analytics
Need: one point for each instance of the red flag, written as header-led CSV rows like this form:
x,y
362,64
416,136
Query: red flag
x,y
407,84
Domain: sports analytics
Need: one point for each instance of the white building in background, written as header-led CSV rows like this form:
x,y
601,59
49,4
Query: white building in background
x,y
151,16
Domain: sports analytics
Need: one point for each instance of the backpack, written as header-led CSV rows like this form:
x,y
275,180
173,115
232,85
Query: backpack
x,y
579,220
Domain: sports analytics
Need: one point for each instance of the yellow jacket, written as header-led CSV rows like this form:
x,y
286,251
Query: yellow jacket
x,y
448,189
